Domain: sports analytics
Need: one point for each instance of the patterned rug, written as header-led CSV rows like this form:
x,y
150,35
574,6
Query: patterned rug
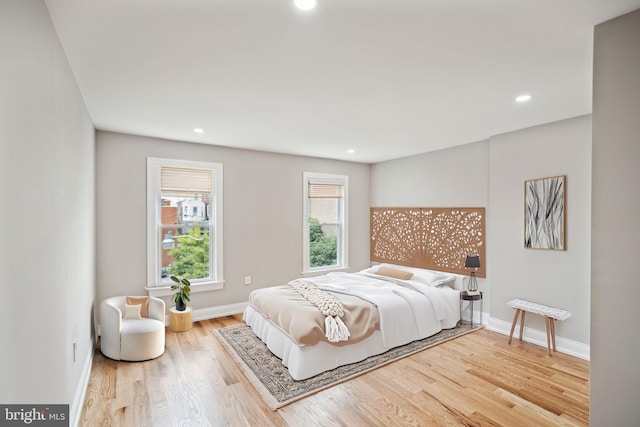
x,y
272,379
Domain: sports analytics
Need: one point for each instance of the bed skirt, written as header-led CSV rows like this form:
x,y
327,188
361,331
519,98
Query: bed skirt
x,y
306,361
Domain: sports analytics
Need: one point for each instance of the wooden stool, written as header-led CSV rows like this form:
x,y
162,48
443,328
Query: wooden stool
x,y
180,321
550,314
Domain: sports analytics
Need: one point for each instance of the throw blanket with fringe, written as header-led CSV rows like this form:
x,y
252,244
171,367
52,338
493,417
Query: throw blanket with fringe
x,y
329,306
301,320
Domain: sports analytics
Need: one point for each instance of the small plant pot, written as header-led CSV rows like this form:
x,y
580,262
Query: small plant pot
x,y
180,305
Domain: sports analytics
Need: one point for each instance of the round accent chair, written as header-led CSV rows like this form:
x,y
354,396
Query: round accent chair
x,y
132,328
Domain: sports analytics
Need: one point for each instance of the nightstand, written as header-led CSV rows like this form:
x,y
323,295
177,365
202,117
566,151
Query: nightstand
x,y
464,296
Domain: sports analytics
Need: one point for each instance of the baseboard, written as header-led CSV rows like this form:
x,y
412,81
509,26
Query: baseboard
x,y
534,336
219,311
206,313
75,410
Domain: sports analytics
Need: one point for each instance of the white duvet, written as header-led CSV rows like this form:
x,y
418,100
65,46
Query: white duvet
x,y
408,310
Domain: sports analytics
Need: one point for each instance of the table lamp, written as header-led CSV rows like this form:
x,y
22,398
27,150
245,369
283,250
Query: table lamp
x,y
472,261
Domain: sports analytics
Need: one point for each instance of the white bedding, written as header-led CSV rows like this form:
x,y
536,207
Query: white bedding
x,y
409,310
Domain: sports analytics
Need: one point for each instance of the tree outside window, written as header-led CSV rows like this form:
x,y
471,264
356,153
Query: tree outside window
x,y
191,255
323,249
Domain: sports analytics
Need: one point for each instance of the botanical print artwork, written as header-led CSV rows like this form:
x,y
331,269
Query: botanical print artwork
x,y
544,213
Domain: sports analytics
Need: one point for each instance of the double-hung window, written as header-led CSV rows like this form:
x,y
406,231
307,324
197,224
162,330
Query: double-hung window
x,y
325,221
184,223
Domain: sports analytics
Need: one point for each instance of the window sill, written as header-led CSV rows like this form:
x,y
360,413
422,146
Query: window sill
x,y
163,291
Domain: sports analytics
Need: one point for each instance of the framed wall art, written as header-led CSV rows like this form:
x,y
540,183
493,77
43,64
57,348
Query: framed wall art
x,y
544,213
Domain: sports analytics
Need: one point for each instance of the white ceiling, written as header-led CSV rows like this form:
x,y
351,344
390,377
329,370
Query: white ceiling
x,y
386,78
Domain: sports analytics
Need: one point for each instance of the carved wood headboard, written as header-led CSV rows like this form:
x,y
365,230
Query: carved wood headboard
x,y
433,238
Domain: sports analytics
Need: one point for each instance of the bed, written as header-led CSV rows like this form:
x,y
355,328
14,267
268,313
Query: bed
x,y
383,307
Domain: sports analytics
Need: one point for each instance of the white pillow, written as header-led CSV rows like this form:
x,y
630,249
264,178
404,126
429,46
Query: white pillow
x,y
420,275
449,281
132,311
432,278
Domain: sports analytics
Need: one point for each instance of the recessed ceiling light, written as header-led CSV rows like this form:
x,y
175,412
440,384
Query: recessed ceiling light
x,y
351,151
198,130
523,98
305,4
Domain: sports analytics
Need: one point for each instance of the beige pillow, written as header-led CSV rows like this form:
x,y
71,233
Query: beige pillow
x,y
132,311
395,273
143,302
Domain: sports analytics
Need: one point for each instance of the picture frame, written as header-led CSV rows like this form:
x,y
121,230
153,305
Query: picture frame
x,y
545,213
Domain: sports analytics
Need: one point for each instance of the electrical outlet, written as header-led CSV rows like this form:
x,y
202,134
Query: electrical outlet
x,y
247,280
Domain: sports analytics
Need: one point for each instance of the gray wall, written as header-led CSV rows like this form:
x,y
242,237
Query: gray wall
x,y
492,174
262,214
48,238
615,373
446,178
555,278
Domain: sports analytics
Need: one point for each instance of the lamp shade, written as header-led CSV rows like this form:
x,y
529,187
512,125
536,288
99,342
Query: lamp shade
x,y
472,261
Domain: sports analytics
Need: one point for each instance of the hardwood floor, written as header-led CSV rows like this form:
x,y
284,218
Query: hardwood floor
x,y
474,380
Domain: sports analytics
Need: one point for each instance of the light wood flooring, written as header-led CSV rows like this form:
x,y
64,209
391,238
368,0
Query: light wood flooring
x,y
475,380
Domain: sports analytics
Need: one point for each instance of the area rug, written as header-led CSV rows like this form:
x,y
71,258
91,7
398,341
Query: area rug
x,y
273,382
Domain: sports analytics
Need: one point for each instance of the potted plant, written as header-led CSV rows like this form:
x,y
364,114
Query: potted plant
x,y
181,290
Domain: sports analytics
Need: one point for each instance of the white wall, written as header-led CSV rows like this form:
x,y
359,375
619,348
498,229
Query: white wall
x,y
555,278
48,238
446,178
262,214
492,174
615,375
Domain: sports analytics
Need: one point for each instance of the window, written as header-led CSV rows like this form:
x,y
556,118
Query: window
x,y
325,219
184,223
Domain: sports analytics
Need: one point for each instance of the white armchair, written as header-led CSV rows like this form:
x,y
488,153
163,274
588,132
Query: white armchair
x,y
131,339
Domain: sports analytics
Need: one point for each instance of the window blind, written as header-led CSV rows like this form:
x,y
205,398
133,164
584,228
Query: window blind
x,y
174,180
324,191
